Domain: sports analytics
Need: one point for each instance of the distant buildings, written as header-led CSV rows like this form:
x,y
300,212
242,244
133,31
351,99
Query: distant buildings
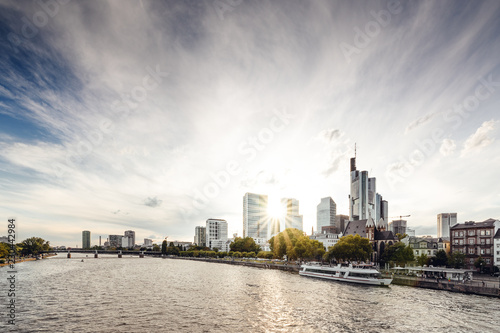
x,y
129,235
4,239
364,201
148,242
200,238
398,227
115,241
475,239
444,222
328,239
496,249
427,245
85,239
216,233
255,216
292,218
341,222
326,212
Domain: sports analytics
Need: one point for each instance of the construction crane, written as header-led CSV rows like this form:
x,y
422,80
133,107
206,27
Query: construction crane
x,y
400,216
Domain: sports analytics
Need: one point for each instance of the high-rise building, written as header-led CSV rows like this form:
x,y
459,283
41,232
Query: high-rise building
x,y
148,242
341,222
444,222
216,233
292,218
130,235
200,238
115,241
275,226
398,227
255,216
364,201
85,239
326,212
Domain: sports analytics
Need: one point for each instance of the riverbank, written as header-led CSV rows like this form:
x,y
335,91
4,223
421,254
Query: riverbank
x,y
26,259
472,287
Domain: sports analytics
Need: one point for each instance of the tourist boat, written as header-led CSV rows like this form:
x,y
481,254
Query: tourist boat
x,y
364,274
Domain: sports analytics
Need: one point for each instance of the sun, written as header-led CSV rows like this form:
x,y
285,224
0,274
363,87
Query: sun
x,y
275,208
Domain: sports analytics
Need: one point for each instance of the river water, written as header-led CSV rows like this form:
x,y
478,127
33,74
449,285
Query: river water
x,y
163,295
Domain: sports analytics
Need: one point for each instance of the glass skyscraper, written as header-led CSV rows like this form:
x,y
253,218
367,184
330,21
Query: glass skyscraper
x,y
325,214
255,217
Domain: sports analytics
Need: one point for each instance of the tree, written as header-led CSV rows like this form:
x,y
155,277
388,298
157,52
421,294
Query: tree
x,y
479,263
440,259
423,259
246,244
401,236
398,253
156,248
34,245
350,248
283,243
4,250
164,247
457,260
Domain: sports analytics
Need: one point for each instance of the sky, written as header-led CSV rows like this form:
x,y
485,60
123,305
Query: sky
x,y
154,116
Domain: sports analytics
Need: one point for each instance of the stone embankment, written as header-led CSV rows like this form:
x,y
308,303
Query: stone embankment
x,y
266,265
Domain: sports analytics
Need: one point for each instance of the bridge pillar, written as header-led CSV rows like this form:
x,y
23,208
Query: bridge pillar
x,y
141,255
95,254
69,255
120,254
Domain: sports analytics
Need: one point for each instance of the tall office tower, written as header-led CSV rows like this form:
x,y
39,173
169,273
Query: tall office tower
x,y
341,222
364,198
115,240
325,214
85,239
130,234
216,233
444,222
148,242
292,218
200,238
398,227
255,216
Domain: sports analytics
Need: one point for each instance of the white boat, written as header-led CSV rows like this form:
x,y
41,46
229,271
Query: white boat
x,y
364,274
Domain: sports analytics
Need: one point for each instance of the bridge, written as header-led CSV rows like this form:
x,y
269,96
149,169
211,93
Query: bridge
x,y
96,253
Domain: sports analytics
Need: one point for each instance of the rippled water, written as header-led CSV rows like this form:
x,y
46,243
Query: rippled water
x,y
164,295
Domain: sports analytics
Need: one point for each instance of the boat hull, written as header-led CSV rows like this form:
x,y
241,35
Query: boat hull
x,y
350,279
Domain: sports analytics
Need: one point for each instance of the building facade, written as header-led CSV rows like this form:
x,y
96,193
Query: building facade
x,y
427,245
364,201
130,235
85,239
398,226
115,241
326,212
255,217
292,218
200,237
328,239
216,233
340,222
475,239
444,222
496,249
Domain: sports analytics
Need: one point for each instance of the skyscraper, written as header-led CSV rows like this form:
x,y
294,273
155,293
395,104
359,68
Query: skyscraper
x,y
130,235
115,241
398,227
85,239
216,233
200,238
325,214
292,218
444,222
255,217
364,201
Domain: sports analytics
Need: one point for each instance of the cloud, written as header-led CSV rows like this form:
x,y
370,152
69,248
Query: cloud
x,y
480,139
152,202
420,121
447,147
329,135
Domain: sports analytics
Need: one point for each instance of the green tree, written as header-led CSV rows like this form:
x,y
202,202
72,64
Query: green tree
x,y
284,242
246,244
156,248
440,259
398,253
479,263
265,255
350,248
457,260
423,259
33,246
164,247
4,250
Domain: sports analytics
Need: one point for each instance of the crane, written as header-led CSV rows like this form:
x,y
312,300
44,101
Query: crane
x,y
400,216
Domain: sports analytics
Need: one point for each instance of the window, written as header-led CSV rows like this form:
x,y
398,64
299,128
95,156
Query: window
x,y
487,251
471,232
488,241
456,233
455,242
482,251
416,252
471,240
472,251
434,252
482,242
488,232
461,233
482,233
498,259
428,252
461,242
471,260
488,261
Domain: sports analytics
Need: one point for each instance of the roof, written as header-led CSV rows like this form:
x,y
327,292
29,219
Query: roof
x,y
384,235
497,235
357,227
471,224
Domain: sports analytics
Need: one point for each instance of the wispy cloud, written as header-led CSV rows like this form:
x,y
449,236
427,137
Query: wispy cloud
x,y
153,202
480,139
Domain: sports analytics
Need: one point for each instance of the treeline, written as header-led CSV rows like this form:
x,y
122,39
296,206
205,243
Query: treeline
x,y
32,246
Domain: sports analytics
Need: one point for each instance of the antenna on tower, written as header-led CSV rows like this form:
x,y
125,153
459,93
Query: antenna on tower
x,y
355,150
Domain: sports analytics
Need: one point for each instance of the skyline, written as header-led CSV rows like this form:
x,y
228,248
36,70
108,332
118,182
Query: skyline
x,y
156,116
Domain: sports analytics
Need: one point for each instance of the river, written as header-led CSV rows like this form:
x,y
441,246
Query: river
x,y
163,295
